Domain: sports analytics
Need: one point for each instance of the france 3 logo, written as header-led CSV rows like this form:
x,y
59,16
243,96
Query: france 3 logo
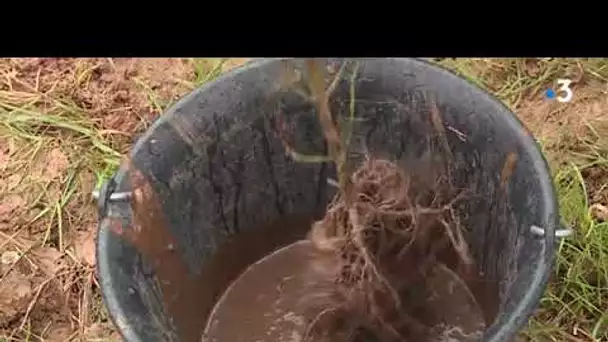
x,y
564,92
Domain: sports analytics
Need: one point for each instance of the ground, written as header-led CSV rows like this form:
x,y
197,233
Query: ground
x,y
65,123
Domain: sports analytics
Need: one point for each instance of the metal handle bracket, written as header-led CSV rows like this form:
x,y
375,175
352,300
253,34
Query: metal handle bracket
x,y
106,195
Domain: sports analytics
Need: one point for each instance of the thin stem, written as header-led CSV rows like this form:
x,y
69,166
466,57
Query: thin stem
x,y
332,135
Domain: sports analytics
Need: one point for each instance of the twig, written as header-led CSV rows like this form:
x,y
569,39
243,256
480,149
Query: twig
x,y
332,135
34,301
332,86
351,106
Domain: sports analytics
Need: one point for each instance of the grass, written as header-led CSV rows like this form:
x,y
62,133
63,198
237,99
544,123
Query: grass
x,y
65,108
574,305
578,294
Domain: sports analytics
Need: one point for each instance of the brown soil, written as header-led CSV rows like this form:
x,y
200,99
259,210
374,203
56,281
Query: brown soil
x,y
49,292
570,131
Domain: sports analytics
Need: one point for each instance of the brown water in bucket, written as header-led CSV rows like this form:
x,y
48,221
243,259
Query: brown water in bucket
x,y
263,304
189,300
231,312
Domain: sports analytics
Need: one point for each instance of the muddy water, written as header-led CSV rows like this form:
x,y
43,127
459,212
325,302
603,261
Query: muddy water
x,y
267,289
455,313
243,294
189,299
229,261
263,303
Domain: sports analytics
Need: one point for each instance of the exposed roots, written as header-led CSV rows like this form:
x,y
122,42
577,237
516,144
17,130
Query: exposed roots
x,y
383,233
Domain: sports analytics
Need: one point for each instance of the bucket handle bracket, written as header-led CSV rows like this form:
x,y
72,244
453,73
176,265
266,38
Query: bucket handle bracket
x,y
106,195
560,233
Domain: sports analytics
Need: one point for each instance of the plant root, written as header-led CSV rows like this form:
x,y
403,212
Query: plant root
x,y
381,235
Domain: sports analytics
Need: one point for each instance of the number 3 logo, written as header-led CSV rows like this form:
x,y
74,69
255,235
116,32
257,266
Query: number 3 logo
x,y
565,88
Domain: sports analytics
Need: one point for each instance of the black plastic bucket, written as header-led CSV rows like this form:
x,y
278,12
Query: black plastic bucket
x,y
220,171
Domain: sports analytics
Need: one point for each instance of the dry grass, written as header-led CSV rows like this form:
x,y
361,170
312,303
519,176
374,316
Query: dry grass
x,y
65,123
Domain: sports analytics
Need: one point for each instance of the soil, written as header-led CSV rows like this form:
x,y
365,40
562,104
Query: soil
x,y
49,292
32,281
57,163
566,128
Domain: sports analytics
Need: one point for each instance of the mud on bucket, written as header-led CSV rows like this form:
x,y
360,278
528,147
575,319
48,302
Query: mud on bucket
x,y
234,171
